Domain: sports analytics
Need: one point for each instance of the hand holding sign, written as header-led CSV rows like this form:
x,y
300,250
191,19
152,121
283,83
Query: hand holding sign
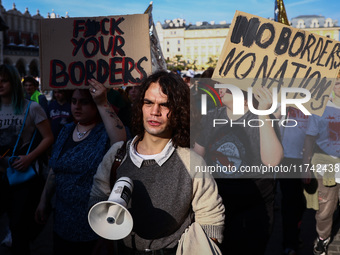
x,y
98,92
264,97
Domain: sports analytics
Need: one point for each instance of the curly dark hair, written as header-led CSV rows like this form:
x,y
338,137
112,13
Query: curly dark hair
x,y
178,102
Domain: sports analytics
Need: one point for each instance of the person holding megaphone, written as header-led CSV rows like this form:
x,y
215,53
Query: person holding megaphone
x,y
169,198
75,157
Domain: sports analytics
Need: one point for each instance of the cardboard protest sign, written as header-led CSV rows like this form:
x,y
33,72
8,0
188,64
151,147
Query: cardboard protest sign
x,y
115,50
261,52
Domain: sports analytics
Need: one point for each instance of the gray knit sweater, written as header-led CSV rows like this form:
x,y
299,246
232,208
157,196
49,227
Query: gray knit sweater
x,y
167,196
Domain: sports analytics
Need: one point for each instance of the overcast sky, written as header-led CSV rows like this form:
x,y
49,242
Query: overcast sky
x,y
190,10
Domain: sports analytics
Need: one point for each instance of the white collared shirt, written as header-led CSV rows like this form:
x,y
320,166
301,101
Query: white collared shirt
x,y
160,158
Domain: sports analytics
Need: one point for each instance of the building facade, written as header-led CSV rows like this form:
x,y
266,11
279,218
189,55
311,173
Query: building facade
x,y
19,44
318,24
196,45
201,44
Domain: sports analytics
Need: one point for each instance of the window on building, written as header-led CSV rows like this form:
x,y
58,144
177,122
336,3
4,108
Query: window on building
x,y
167,43
167,50
179,42
301,24
328,22
315,23
179,49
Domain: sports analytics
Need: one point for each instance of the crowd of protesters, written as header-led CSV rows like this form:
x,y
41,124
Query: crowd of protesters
x,y
80,131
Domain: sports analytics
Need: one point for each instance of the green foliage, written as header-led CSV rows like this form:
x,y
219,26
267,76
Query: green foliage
x,y
212,61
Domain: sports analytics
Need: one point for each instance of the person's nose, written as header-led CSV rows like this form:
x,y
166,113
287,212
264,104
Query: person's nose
x,y
155,110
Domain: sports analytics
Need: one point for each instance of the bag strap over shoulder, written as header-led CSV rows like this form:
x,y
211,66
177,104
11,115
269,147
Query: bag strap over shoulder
x,y
22,128
116,163
32,139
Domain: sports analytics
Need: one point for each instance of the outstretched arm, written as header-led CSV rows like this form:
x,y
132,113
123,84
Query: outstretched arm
x,y
270,146
113,125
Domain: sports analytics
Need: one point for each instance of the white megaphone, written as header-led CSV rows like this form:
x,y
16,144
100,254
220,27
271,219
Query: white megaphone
x,y
110,219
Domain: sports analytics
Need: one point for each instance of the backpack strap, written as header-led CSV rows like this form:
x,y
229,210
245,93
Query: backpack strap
x,y
116,163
